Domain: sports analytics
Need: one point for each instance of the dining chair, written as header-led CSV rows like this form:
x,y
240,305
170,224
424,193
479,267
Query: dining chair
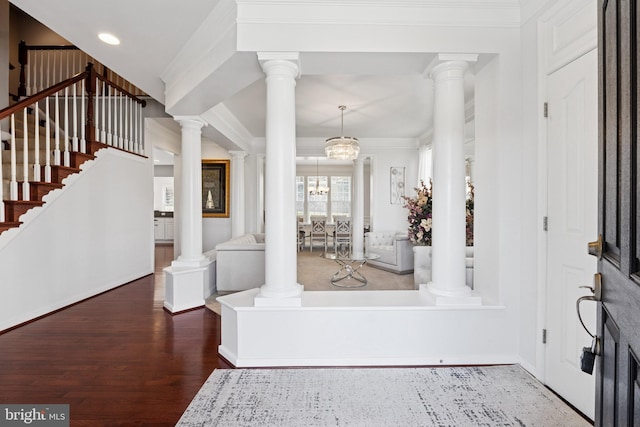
x,y
342,233
318,232
302,234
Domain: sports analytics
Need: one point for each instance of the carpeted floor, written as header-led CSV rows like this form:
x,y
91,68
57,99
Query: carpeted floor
x,y
475,396
314,272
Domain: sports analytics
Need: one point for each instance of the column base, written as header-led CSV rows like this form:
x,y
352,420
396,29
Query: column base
x,y
289,299
465,297
185,287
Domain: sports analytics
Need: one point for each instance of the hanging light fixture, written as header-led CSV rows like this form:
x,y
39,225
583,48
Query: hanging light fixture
x,y
318,191
342,147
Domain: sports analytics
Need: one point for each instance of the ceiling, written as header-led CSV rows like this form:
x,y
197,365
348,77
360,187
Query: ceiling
x,y
385,93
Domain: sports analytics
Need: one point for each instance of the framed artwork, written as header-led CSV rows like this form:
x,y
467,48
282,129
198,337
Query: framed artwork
x,y
215,188
397,185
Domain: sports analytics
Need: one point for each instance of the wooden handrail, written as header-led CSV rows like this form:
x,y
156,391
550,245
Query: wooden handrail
x,y
23,59
121,89
6,112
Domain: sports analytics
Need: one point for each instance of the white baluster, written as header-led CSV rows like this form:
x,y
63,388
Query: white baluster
x,y
83,120
41,87
56,152
140,130
120,121
74,141
36,138
103,134
125,142
60,57
134,126
96,111
68,73
67,160
25,159
13,184
109,134
116,99
47,144
48,68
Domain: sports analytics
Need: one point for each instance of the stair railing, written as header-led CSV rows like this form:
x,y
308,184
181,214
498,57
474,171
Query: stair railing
x,y
42,66
79,115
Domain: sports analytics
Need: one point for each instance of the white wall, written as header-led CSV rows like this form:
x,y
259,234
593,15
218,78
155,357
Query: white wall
x,y
384,215
92,236
215,230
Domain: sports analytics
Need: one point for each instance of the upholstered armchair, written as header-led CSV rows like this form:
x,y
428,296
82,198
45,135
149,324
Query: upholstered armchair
x,y
240,263
394,248
422,266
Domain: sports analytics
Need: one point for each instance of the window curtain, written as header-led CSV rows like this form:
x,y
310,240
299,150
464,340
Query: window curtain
x,y
425,164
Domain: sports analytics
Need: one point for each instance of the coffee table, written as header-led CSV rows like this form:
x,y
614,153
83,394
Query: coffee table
x,y
349,263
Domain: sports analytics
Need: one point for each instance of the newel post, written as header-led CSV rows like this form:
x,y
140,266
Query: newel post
x,y
90,87
22,59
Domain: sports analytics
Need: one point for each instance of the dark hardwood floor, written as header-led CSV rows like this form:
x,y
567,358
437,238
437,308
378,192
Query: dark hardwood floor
x,y
117,359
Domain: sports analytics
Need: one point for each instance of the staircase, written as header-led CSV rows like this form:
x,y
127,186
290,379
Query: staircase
x,y
49,135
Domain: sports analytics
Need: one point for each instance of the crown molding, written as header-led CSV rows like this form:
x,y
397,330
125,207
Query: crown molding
x,y
468,13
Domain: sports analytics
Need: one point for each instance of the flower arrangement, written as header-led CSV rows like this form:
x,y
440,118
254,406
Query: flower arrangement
x,y
420,214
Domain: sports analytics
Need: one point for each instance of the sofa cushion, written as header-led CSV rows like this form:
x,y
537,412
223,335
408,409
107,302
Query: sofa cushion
x,y
243,240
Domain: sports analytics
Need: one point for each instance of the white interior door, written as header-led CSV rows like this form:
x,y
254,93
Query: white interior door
x,y
572,147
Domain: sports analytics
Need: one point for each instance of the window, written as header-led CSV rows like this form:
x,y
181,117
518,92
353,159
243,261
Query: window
x,y
300,192
318,203
336,202
340,195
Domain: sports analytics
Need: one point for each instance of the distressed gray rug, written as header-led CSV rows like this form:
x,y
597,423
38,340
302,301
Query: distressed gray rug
x,y
477,396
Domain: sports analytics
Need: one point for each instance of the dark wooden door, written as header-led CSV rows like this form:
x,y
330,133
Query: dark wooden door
x,y
618,381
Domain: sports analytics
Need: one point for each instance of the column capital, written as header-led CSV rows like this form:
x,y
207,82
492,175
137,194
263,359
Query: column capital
x,y
238,154
193,122
449,62
282,63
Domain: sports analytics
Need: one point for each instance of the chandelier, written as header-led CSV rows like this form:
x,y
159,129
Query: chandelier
x,y
318,191
342,147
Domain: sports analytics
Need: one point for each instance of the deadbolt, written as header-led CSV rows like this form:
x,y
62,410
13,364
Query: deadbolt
x,y
595,248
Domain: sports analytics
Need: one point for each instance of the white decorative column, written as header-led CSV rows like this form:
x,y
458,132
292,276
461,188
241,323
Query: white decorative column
x,y
187,279
237,193
281,287
449,192
357,233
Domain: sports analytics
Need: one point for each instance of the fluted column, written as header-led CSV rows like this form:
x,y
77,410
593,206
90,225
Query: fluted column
x,y
449,192
281,287
237,193
357,216
190,193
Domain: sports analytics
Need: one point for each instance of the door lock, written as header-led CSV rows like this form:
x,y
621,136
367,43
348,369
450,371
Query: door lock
x,y
595,248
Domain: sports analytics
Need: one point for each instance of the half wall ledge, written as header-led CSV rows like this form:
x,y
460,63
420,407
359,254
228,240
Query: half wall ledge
x,y
364,328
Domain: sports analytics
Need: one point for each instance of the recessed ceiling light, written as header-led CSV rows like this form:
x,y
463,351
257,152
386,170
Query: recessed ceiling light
x,y
109,38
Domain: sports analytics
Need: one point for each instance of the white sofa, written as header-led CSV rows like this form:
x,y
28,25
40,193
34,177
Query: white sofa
x,y
394,248
422,264
240,263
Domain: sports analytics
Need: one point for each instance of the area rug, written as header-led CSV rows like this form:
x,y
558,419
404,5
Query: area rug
x,y
458,396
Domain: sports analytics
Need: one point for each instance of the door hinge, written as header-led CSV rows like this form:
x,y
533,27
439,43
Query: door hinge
x,y
544,336
545,223
545,109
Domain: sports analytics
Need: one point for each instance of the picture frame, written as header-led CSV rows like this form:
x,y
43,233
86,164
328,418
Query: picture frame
x,y
215,188
397,185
